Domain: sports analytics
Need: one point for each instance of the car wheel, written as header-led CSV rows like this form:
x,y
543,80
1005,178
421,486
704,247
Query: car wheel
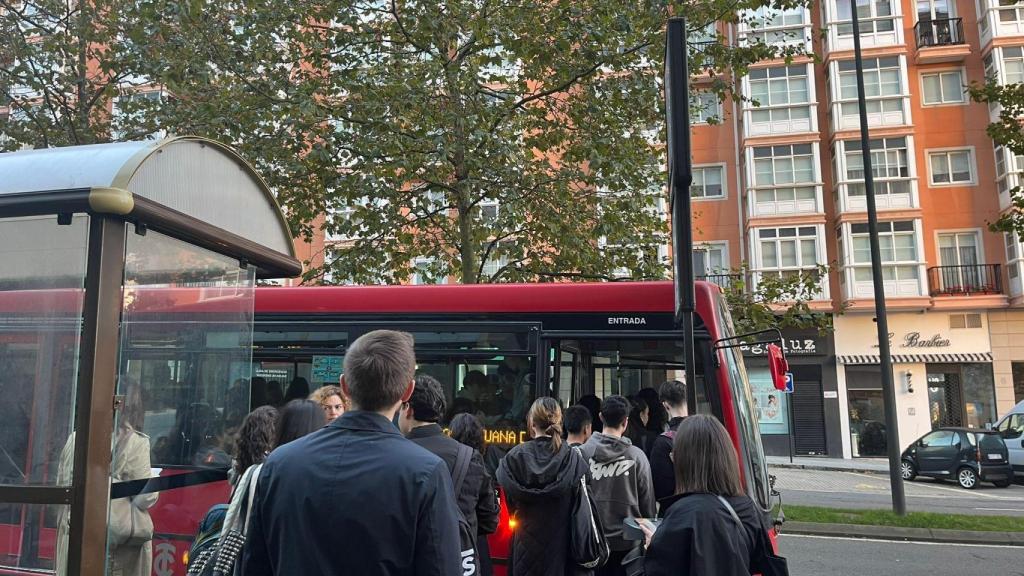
x,y
907,470
967,478
1003,484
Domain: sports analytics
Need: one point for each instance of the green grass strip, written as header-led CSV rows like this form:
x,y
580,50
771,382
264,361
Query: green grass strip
x,y
911,520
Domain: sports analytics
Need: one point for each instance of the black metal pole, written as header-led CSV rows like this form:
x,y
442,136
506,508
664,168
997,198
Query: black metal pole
x,y
677,115
899,501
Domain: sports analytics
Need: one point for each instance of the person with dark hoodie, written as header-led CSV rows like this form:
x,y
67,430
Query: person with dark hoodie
x,y
710,526
540,478
620,480
673,398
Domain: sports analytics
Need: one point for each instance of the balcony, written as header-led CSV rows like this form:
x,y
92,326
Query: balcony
x,y
723,280
969,280
941,41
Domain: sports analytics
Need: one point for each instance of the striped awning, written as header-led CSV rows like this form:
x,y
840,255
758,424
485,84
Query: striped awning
x,y
916,358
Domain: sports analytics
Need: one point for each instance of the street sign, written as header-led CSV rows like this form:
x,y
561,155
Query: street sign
x,y
789,383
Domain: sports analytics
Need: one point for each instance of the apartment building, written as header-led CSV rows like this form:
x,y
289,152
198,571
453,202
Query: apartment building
x,y
793,197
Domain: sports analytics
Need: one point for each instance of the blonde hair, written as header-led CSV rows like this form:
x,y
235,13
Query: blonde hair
x,y
320,395
545,414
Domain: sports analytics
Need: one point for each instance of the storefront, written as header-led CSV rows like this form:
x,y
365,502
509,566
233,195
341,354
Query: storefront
x,y
805,422
1007,332
942,371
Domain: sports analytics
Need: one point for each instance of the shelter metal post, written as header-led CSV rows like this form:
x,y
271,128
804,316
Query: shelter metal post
x,y
94,413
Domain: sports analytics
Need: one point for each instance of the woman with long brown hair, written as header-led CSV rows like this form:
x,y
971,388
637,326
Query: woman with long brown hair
x,y
539,478
709,527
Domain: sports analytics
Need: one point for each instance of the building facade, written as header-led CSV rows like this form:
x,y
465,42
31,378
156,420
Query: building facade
x,y
793,197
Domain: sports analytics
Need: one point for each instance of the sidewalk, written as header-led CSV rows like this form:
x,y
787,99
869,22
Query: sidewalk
x,y
870,465
904,534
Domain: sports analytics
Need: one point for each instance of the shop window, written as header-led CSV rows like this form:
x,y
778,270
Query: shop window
x,y
772,406
1018,381
867,410
961,395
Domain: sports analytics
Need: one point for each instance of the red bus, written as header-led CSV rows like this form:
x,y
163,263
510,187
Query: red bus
x,y
563,340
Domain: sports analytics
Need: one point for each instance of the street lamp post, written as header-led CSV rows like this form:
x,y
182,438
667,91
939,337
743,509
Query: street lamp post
x,y
899,501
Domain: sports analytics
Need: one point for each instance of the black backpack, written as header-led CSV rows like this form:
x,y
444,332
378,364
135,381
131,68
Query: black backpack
x,y
470,561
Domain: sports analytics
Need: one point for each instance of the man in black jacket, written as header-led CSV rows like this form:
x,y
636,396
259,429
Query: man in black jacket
x,y
418,420
673,397
356,497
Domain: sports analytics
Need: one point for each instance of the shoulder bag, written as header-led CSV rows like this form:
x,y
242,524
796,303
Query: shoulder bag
x,y
588,547
768,564
129,525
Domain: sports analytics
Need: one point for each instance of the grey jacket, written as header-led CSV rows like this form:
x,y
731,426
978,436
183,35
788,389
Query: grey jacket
x,y
620,480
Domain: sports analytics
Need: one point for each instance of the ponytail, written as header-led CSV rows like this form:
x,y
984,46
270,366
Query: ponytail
x,y
545,414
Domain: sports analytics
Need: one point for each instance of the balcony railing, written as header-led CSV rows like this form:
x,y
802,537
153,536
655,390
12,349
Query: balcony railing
x,y
723,280
945,32
967,280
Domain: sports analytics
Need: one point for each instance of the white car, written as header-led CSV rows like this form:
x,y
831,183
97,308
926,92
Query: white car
x,y
1011,428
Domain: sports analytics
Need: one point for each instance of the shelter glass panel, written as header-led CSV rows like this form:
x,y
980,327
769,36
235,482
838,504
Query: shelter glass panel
x,y
42,280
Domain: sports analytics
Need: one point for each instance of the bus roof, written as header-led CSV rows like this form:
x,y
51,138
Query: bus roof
x,y
478,298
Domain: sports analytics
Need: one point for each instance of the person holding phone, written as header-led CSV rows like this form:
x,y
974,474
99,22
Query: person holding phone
x,y
709,526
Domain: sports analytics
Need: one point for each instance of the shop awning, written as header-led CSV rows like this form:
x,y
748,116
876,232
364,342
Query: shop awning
x,y
917,358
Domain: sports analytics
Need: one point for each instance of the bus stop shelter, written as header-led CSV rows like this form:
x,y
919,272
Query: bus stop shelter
x,y
127,276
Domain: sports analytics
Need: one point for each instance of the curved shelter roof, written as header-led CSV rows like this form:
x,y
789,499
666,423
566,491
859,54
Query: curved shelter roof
x,y
190,187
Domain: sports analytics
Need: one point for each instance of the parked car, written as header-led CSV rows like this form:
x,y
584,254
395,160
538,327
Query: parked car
x,y
1011,428
967,455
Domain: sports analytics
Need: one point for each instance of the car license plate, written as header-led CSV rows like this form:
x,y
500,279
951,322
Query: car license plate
x,y
995,456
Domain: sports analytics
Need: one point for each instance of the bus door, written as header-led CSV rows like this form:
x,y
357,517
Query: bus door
x,y
629,365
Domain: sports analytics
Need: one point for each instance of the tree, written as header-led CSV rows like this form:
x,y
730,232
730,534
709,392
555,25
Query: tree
x,y
1006,131
60,66
777,301
485,140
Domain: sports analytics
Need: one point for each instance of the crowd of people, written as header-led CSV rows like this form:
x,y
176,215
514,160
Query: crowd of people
x,y
362,479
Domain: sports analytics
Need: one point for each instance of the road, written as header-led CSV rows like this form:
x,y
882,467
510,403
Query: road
x,y
819,556
861,490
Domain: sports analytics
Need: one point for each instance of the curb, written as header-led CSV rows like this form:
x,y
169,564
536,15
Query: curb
x,y
901,534
827,468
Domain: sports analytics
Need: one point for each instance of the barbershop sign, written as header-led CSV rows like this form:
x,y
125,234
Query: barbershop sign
x,y
918,341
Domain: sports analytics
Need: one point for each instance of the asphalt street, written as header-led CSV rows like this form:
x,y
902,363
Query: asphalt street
x,y
863,490
821,556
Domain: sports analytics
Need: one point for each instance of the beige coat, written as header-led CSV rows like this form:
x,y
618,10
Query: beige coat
x,y
131,462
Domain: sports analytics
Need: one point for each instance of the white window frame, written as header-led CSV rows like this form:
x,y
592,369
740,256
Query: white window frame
x,y
725,182
756,24
757,208
708,245
799,233
1009,169
1014,262
991,23
416,280
839,69
885,198
780,126
837,41
961,72
930,153
706,105
908,287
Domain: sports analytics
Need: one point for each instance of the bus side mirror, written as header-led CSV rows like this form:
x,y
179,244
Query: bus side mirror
x,y
777,365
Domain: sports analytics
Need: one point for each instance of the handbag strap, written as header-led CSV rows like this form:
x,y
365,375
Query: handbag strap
x,y
254,479
732,511
462,460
